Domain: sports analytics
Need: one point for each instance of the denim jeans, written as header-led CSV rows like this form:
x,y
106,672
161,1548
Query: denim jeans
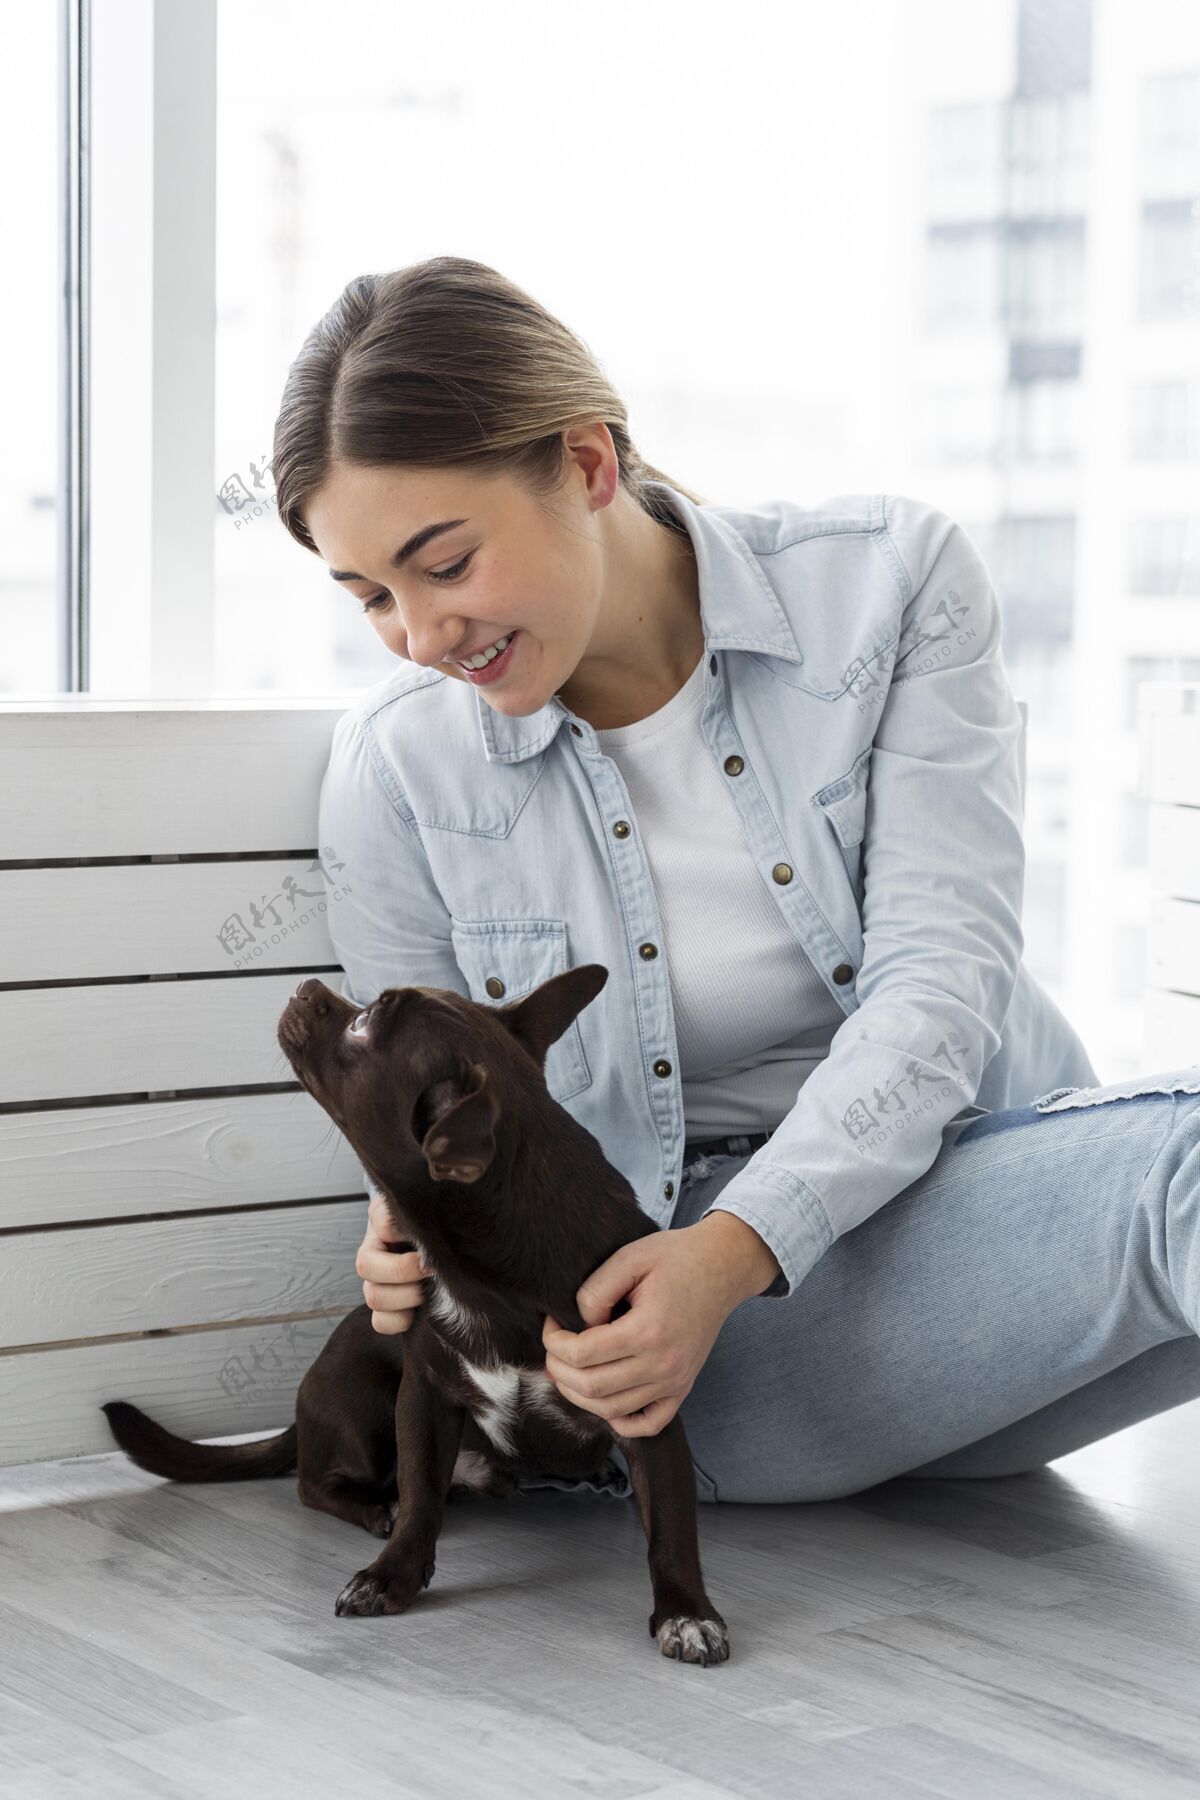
x,y
1036,1289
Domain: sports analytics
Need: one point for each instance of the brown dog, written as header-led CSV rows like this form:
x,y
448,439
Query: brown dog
x,y
514,1204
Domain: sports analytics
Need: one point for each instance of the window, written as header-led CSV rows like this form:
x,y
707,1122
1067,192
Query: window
x,y
1171,133
1043,421
963,276
933,286
1164,556
1044,276
964,161
1170,258
1032,564
29,376
1166,421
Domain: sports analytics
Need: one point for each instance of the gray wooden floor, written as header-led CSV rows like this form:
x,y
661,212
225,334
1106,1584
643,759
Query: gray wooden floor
x,y
1038,1636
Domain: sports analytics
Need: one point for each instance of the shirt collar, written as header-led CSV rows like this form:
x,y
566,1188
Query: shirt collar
x,y
738,609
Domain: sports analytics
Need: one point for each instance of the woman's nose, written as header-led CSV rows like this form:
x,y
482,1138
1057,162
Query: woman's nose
x,y
430,655
433,641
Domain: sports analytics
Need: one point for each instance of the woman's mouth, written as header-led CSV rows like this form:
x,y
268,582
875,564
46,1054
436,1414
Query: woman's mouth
x,y
493,670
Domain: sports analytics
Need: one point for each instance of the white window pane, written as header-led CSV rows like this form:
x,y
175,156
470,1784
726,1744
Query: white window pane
x,y
29,315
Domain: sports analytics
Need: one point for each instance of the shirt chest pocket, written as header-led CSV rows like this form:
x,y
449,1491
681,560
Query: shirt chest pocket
x,y
844,804
504,960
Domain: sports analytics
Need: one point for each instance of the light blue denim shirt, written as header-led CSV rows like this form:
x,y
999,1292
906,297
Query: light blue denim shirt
x,y
856,702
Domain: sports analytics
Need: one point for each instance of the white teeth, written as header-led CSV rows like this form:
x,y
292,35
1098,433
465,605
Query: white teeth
x,y
486,656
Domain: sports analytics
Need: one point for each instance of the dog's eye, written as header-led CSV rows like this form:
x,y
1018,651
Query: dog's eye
x,y
358,1028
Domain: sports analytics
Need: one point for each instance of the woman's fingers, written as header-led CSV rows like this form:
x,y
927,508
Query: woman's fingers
x,y
392,1283
388,1267
392,1324
612,1406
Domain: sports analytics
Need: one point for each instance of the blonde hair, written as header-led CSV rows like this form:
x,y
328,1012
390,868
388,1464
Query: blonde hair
x,y
446,362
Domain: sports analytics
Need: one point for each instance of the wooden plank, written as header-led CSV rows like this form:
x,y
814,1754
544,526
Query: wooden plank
x,y
170,1156
1168,729
1173,945
132,778
1173,851
143,1037
1170,696
161,1274
198,1383
1171,1030
165,918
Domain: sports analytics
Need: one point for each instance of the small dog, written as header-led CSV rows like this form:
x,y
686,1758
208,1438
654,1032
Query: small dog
x,y
514,1204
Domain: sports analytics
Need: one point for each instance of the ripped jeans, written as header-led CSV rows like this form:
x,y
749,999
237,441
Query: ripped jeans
x,y
1036,1289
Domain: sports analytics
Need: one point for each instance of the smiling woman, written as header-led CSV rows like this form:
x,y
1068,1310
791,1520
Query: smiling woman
x,y
771,732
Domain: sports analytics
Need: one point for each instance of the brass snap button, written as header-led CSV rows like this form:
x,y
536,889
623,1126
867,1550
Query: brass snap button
x,y
843,973
647,952
662,1066
782,873
622,828
734,765
494,986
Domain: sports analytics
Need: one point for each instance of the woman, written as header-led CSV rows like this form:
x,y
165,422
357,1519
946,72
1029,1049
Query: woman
x,y
782,743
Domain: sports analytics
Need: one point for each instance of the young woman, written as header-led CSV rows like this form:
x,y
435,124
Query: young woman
x,y
762,765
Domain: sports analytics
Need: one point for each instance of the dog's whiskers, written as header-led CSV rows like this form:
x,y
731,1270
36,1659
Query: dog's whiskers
x,y
336,1131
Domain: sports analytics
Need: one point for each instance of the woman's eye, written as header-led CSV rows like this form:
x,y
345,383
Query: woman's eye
x,y
378,601
450,574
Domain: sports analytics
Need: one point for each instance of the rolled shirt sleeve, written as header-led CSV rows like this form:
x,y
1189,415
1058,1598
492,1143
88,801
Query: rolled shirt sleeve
x,y
943,873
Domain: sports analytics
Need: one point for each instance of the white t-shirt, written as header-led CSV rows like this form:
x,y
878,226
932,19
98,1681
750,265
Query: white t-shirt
x,y
752,1016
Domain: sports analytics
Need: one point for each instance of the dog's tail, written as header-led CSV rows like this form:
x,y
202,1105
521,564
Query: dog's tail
x,y
160,1452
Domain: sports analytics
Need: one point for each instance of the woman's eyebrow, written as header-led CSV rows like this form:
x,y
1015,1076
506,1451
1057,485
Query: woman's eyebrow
x,y
416,542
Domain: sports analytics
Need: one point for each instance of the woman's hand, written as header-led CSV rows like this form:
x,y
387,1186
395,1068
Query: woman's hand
x,y
637,1371
392,1284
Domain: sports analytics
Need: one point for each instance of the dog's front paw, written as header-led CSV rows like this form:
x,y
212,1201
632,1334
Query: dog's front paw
x,y
381,1590
692,1640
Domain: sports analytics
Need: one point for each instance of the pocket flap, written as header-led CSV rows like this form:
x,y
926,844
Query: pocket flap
x,y
504,960
844,801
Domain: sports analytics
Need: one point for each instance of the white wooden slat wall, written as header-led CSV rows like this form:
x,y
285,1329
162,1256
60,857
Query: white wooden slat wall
x,y
178,1219
1169,779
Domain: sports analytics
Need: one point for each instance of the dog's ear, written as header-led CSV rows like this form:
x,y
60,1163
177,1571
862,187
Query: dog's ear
x,y
461,1142
541,1018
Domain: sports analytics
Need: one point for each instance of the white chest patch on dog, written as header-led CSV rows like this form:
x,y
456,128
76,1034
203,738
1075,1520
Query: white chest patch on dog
x,y
506,1390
